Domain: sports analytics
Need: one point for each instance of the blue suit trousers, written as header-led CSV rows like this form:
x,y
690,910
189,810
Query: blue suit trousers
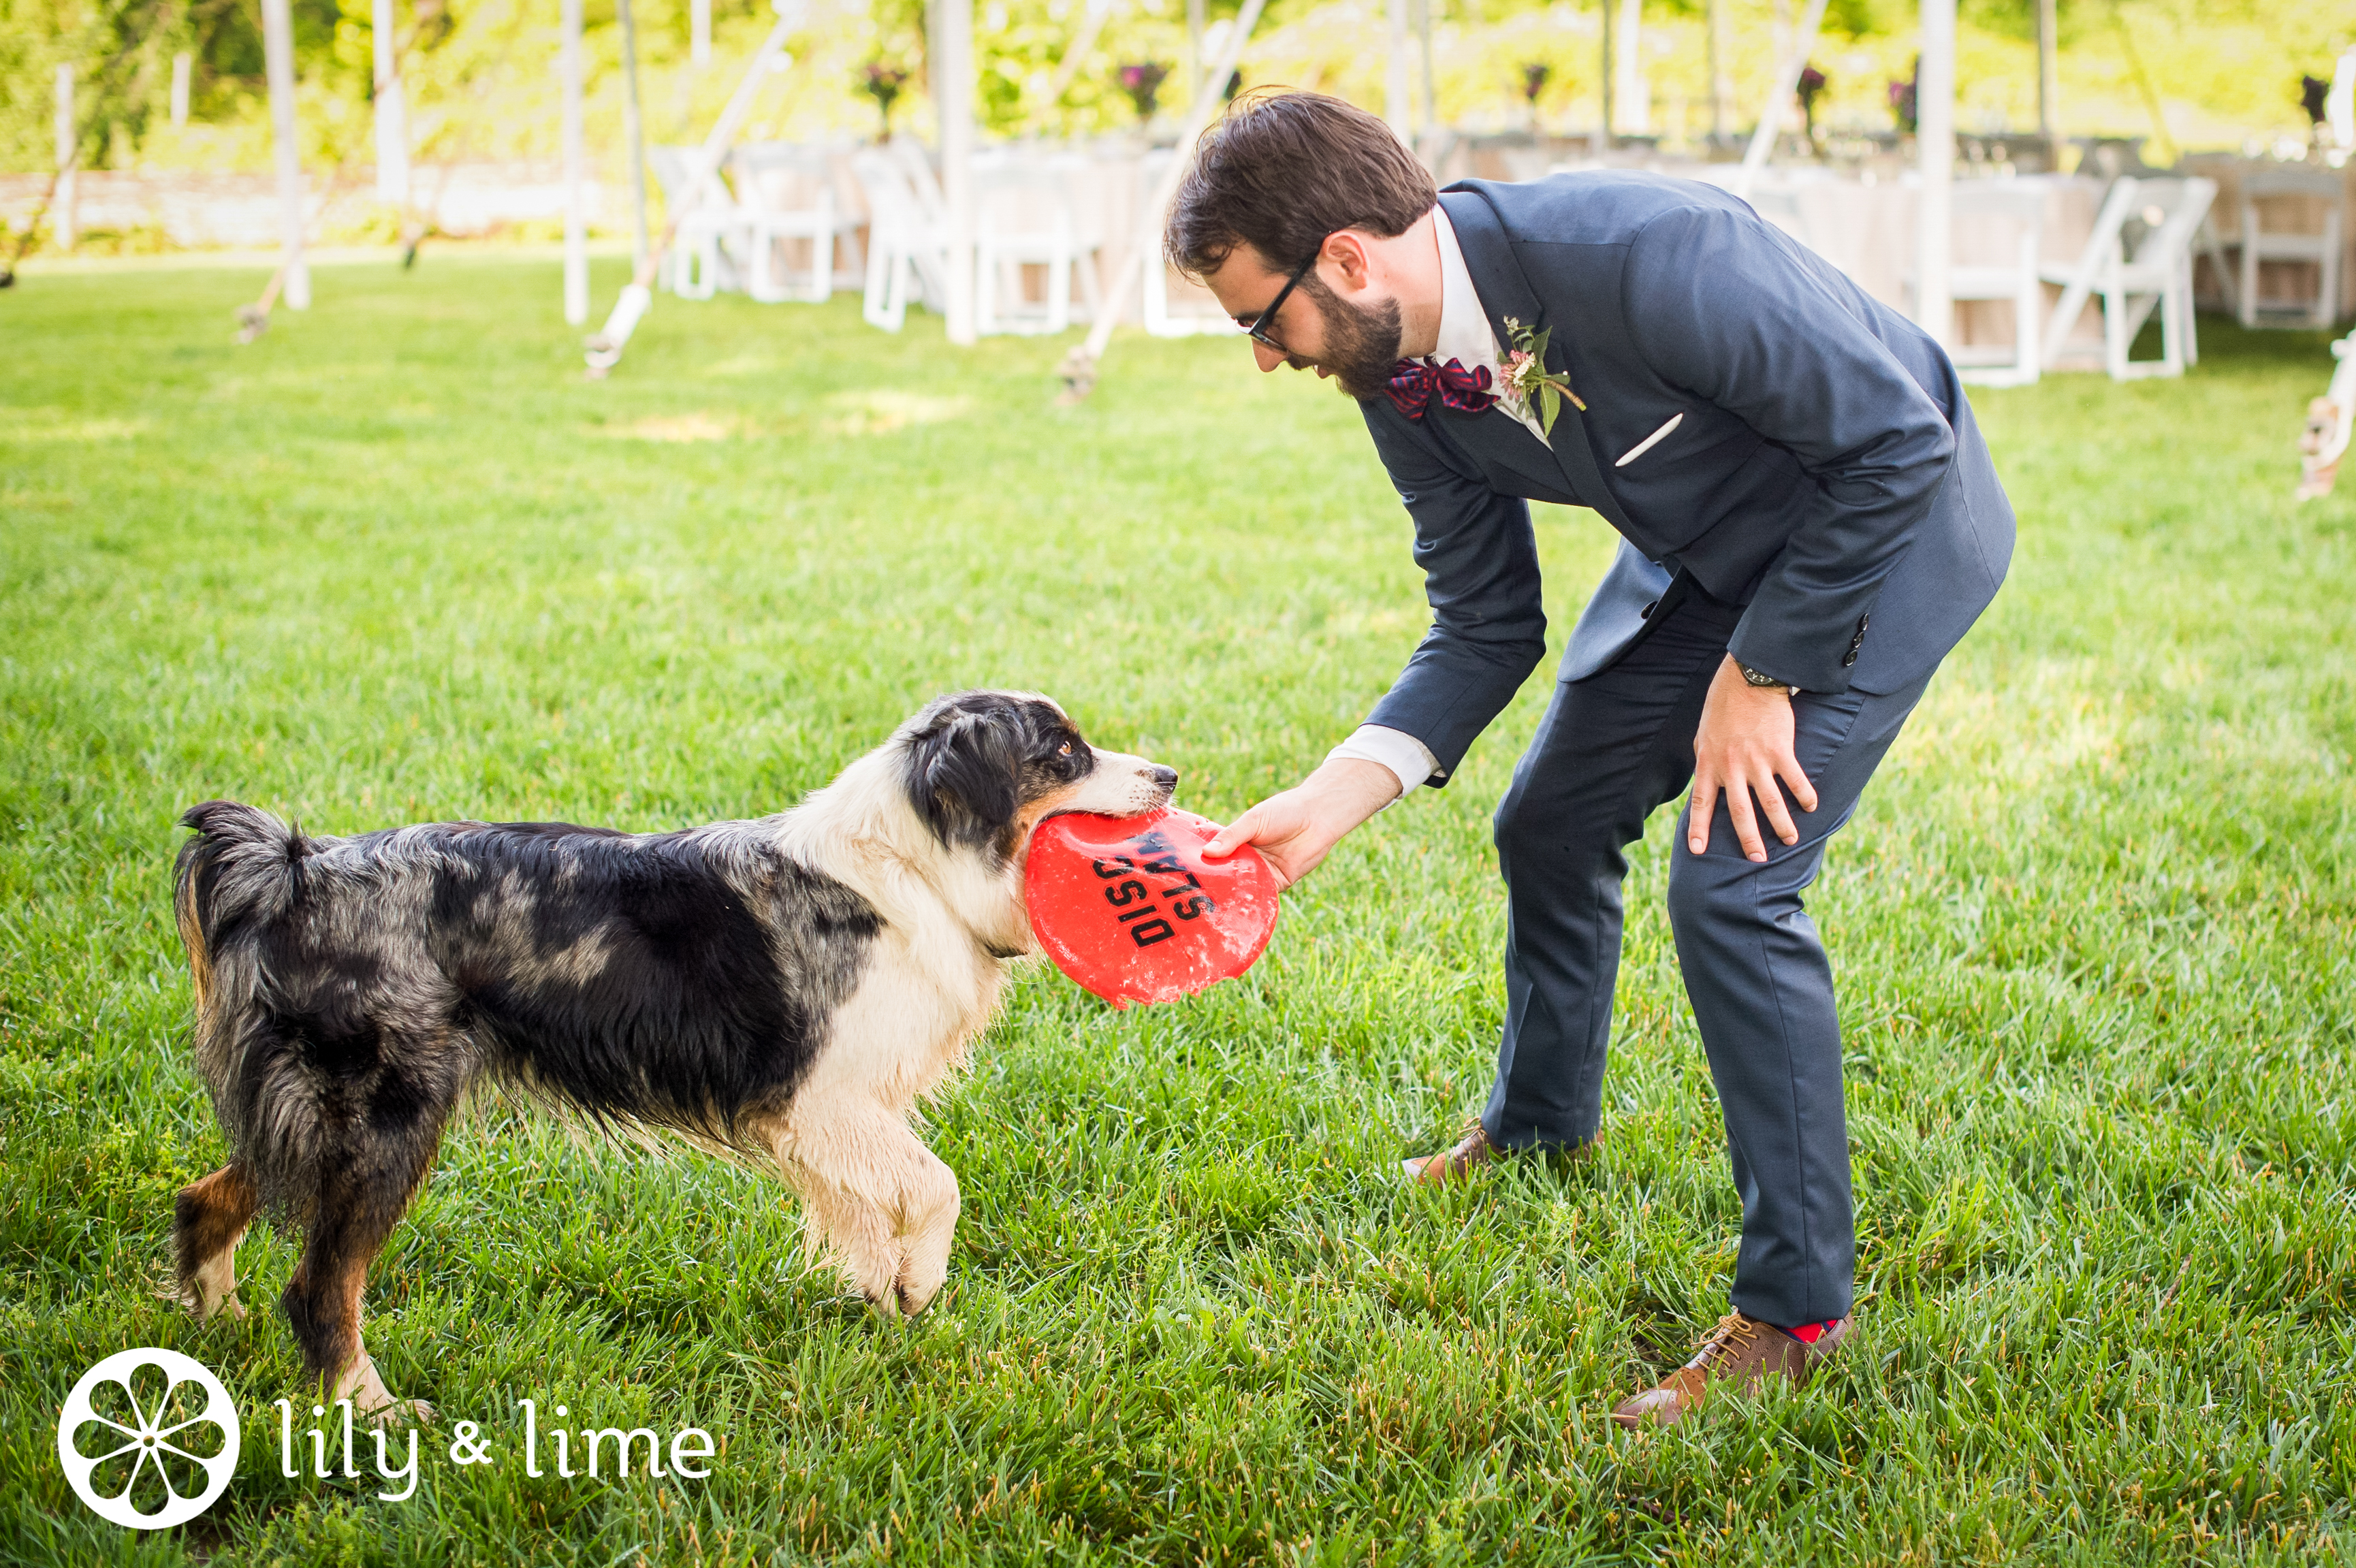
x,y
1613,747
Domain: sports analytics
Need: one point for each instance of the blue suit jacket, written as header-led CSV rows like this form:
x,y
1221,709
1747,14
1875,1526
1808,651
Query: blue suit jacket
x,y
1826,473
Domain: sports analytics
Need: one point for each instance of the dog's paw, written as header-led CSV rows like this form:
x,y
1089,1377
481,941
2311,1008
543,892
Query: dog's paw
x,y
915,1295
402,1412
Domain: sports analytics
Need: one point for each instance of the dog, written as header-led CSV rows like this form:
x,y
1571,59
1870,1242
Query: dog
x,y
778,991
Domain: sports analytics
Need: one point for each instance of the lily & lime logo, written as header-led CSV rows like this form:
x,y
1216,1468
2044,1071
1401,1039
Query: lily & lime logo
x,y
148,1439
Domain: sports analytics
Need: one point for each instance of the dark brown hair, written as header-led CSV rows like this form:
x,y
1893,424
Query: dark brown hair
x,y
1284,169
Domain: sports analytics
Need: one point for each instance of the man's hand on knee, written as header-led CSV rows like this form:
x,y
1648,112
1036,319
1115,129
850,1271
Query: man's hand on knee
x,y
1294,830
1743,746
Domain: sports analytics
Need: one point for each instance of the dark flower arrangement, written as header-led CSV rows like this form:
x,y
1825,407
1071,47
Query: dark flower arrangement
x,y
884,83
1535,77
1142,81
1901,99
2313,92
1812,83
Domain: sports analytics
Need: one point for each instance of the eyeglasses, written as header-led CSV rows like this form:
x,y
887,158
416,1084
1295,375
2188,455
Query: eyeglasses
x,y
1256,328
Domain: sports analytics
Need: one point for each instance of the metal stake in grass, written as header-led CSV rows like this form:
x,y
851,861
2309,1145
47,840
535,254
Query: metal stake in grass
x,y
602,350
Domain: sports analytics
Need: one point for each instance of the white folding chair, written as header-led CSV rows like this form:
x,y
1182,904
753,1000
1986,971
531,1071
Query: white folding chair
x,y
905,250
2151,269
789,200
2322,251
2001,202
1034,211
712,230
923,180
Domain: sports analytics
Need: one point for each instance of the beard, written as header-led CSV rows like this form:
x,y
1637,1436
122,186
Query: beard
x,y
1362,344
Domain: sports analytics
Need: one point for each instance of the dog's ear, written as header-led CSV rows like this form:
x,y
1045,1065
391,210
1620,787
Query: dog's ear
x,y
965,777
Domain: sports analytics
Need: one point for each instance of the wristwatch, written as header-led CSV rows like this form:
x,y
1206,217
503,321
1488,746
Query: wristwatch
x,y
1760,678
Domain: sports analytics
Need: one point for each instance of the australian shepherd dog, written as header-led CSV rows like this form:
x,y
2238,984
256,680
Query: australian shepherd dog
x,y
780,991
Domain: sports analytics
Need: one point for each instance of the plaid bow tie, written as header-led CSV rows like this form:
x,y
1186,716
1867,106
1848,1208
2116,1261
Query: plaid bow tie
x,y
1413,381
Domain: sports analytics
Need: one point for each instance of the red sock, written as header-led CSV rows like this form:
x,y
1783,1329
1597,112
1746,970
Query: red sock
x,y
1809,1333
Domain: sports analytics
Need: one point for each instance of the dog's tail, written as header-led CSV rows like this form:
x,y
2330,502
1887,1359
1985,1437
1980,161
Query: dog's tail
x,y
243,865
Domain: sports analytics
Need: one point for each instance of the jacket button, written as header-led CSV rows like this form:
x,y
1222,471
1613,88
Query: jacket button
x,y
1646,613
1848,658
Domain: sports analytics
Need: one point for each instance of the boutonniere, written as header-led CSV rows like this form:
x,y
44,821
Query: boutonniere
x,y
1527,381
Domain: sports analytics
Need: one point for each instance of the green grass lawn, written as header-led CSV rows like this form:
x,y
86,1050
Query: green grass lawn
x,y
398,561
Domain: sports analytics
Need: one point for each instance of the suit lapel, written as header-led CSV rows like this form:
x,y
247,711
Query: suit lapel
x,y
1505,290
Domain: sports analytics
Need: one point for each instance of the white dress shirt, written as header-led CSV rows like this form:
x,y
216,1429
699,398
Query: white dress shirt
x,y
1464,337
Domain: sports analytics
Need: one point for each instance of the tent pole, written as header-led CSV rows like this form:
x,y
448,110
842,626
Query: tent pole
x,y
2048,81
1195,61
1787,82
1431,75
1628,68
953,101
1722,81
1603,125
1395,75
577,237
1935,141
278,62
634,132
392,110
69,146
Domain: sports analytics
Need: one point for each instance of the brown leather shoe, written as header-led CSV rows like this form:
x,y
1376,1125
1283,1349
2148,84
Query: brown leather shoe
x,y
1471,1153
1743,1352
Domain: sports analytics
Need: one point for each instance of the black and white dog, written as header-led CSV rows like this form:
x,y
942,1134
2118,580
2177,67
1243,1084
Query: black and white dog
x,y
780,991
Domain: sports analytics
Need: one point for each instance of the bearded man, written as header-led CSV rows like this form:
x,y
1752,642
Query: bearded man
x,y
1808,520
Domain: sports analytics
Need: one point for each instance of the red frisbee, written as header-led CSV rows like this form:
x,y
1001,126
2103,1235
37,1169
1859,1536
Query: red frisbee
x,y
1130,909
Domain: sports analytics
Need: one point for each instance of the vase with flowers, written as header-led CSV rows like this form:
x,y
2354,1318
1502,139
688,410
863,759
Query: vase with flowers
x,y
1810,88
1142,81
1901,100
884,83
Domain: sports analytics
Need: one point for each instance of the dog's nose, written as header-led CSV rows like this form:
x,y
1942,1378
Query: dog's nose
x,y
1166,777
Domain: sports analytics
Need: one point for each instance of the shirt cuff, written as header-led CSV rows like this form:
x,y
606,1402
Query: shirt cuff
x,y
1397,750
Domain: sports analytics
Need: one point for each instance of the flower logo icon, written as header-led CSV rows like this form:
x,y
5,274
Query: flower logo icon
x,y
148,1439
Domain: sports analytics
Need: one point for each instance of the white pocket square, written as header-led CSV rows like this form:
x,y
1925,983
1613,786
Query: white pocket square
x,y
1650,442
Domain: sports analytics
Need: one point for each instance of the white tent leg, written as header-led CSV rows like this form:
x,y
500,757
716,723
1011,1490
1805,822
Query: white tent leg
x,y
1396,76
391,112
953,101
278,62
1721,75
1934,141
2048,82
576,218
1430,76
69,146
1629,92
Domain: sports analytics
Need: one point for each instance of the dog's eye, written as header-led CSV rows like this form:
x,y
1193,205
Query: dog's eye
x,y
1064,750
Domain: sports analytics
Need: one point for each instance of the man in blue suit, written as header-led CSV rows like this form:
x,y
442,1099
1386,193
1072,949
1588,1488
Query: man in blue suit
x,y
1808,520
